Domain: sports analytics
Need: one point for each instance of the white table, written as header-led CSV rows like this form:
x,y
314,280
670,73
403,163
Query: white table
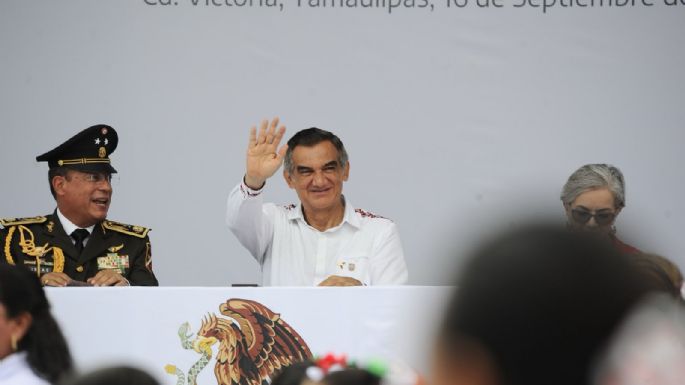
x,y
139,326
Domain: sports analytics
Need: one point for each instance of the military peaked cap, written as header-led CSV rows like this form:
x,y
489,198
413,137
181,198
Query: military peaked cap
x,y
87,151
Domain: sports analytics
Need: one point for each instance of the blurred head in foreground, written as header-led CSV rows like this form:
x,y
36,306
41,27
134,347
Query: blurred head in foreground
x,y
32,346
659,273
649,348
308,373
294,374
117,375
534,306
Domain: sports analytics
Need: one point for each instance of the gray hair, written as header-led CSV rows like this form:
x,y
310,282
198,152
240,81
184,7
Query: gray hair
x,y
592,177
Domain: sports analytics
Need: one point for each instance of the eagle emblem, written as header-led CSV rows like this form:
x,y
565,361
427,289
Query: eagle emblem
x,y
253,344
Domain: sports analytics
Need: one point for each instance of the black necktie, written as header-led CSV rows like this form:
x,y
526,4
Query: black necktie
x,y
79,236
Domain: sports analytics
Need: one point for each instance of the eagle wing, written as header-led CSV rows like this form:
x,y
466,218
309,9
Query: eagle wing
x,y
271,343
241,371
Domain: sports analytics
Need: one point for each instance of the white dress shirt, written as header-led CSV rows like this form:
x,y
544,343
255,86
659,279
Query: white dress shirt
x,y
69,227
292,253
14,370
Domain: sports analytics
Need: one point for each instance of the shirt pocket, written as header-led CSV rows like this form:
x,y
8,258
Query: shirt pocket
x,y
353,266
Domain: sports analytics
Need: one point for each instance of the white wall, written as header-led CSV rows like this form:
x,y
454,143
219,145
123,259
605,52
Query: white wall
x,y
454,119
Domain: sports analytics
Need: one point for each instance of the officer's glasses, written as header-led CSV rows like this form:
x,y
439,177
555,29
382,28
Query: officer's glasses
x,y
98,177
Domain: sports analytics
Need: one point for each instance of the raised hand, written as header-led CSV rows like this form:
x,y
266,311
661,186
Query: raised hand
x,y
264,157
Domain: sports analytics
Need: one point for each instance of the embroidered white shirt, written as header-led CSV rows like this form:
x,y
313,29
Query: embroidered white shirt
x,y
14,370
292,253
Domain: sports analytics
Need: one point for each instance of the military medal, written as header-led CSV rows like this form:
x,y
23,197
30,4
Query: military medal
x,y
114,261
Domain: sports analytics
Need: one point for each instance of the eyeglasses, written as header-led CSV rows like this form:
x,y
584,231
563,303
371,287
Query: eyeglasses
x,y
97,177
602,217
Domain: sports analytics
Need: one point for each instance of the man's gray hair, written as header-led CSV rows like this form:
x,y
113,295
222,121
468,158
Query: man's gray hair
x,y
592,177
311,137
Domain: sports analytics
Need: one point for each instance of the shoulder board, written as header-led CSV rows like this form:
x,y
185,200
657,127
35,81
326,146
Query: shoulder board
x,y
21,221
136,231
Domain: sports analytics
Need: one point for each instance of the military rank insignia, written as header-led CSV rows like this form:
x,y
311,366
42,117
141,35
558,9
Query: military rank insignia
x,y
136,231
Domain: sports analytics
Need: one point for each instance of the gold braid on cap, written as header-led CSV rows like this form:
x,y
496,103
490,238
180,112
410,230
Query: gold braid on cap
x,y
67,162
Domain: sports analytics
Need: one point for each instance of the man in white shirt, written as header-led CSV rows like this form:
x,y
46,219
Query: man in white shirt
x,y
323,240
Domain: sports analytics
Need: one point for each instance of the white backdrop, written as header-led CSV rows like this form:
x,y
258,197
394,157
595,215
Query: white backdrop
x,y
455,119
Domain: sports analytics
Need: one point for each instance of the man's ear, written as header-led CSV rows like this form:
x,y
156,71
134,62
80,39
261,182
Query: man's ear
x,y
346,172
287,176
58,182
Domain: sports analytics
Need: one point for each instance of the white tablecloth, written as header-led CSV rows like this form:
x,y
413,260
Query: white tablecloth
x,y
139,326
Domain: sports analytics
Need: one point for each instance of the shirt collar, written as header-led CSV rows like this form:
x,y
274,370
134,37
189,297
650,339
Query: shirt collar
x,y
349,216
69,226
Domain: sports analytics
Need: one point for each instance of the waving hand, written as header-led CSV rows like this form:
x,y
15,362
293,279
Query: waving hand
x,y
264,157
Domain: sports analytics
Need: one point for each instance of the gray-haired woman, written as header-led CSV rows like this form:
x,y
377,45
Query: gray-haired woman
x,y
593,196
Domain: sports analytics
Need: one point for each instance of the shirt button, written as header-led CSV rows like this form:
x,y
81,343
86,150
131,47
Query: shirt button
x,y
79,269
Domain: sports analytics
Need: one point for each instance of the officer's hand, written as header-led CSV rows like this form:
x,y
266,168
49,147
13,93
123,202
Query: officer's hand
x,y
55,279
263,155
108,277
336,280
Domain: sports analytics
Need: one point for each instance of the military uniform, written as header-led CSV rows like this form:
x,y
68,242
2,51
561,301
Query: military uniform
x,y
41,245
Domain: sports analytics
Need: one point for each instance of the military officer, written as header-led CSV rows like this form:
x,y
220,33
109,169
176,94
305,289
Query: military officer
x,y
77,245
